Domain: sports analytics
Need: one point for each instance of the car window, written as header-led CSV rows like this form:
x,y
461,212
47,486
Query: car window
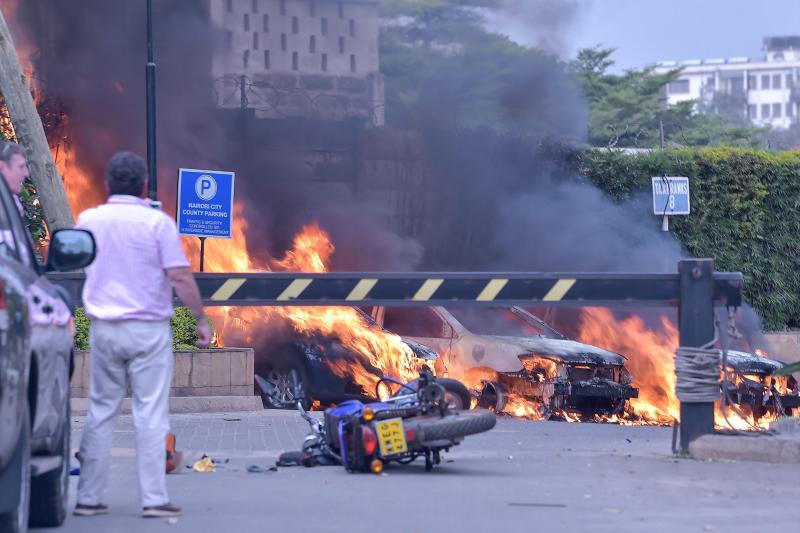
x,y
414,322
495,321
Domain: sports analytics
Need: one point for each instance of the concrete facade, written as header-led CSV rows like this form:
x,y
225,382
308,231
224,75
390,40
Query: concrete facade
x,y
220,372
767,89
299,58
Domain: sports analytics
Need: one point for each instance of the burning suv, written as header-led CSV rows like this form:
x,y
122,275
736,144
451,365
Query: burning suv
x,y
505,353
750,385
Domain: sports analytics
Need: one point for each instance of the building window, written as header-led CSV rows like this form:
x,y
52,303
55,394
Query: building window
x,y
752,82
776,81
352,63
312,44
295,61
267,60
295,25
324,24
283,42
229,39
246,58
325,62
776,110
711,82
341,10
765,82
341,45
352,28
283,7
312,8
764,110
789,109
255,6
229,6
752,111
266,23
255,41
789,81
247,22
679,87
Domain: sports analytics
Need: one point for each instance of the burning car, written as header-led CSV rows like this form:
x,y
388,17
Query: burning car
x,y
327,370
751,385
504,353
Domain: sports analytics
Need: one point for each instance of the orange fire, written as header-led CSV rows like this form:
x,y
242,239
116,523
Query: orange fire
x,y
311,251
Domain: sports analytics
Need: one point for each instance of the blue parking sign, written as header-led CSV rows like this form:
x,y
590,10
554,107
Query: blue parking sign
x,y
671,196
205,203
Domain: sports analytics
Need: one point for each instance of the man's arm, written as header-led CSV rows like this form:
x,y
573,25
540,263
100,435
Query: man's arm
x,y
186,288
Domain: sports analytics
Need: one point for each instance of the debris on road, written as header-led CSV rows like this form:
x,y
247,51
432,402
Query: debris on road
x,y
256,469
206,464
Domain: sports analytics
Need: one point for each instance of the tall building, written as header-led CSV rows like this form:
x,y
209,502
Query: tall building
x,y
765,91
308,58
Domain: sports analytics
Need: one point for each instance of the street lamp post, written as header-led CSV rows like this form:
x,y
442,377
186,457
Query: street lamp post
x,y
151,108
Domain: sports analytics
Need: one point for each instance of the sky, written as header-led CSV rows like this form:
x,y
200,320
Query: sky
x,y
646,31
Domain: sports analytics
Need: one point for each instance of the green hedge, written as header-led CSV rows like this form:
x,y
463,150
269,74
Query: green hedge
x,y
744,214
184,332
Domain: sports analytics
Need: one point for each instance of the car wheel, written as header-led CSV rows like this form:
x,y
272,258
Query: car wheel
x,y
456,395
49,491
16,521
284,379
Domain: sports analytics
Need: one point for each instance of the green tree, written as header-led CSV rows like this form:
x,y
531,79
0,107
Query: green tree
x,y
444,69
628,109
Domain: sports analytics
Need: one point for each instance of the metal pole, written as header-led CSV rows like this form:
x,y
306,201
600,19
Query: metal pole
x,y
152,167
696,323
202,253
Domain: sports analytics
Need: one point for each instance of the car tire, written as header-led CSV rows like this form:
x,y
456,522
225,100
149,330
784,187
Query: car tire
x,y
16,521
278,374
456,395
49,491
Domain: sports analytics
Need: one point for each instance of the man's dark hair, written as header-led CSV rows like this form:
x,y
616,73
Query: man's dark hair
x,y
126,173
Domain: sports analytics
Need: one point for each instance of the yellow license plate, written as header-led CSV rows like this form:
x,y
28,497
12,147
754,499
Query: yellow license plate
x,y
391,437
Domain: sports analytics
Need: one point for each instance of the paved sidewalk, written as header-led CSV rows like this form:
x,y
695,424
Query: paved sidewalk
x,y
521,476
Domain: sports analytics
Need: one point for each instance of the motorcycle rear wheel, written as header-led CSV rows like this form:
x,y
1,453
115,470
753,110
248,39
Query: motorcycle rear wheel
x,y
452,426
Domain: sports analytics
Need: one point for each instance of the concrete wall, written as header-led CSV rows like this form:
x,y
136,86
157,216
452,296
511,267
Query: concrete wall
x,y
222,372
310,58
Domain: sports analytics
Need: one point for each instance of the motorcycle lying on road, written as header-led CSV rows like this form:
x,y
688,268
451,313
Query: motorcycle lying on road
x,y
417,421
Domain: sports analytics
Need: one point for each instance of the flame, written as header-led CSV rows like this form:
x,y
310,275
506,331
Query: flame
x,y
651,360
311,251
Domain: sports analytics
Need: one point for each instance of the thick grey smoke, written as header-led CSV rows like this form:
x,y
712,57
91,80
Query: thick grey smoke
x,y
91,64
546,24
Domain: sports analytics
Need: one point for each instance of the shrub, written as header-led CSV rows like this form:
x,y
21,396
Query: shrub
x,y
744,214
184,334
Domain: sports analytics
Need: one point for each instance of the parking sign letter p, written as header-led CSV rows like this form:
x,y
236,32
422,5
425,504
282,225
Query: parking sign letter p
x,y
205,187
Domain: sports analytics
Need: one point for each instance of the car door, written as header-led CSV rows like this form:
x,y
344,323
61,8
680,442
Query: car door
x,y
50,337
14,336
423,325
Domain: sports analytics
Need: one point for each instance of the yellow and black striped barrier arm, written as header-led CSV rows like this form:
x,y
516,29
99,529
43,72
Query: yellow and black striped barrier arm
x,y
421,289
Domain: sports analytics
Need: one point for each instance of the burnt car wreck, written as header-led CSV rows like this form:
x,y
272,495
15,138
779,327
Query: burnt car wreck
x,y
583,382
502,353
750,385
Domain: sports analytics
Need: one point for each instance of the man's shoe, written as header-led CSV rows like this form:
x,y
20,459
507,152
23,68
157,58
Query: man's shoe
x,y
82,509
162,511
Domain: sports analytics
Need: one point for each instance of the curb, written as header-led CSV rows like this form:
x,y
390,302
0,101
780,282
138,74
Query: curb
x,y
185,404
778,449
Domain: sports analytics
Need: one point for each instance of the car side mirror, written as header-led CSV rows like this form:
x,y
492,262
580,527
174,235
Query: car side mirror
x,y
70,249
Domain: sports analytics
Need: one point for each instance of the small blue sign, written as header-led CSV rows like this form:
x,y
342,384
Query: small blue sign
x,y
205,203
671,196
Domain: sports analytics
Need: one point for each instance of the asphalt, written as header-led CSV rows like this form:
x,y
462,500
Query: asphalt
x,y
522,476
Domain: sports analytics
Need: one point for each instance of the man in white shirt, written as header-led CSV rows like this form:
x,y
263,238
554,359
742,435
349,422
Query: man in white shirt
x,y
128,296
